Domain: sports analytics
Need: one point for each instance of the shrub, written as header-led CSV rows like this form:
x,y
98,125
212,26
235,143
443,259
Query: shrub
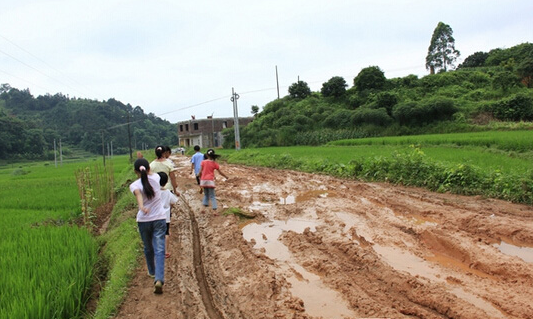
x,y
371,116
338,119
386,100
518,107
436,109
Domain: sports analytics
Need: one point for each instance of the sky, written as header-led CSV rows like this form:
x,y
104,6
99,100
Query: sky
x,y
179,58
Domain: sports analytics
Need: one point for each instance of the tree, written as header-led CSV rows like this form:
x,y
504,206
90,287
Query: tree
x,y
255,110
370,78
474,60
441,52
335,87
299,90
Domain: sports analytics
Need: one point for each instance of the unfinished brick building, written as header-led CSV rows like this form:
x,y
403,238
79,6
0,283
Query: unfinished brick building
x,y
207,133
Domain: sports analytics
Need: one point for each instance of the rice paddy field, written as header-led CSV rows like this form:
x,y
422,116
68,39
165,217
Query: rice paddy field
x,y
46,260
507,151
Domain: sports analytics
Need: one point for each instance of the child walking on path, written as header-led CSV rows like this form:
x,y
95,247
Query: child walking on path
x,y
168,199
207,178
151,220
162,164
196,161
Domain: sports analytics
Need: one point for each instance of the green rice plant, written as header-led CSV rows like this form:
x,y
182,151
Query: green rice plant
x,y
520,140
46,262
46,271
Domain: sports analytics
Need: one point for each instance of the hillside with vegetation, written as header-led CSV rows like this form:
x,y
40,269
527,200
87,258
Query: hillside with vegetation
x,y
488,87
31,124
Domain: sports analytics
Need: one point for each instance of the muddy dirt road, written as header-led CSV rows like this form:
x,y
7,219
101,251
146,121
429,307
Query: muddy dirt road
x,y
323,247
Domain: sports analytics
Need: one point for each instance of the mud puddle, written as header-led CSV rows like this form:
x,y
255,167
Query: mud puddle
x,y
525,253
318,299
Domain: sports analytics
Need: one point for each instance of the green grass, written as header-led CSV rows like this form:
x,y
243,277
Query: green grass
x,y
518,141
483,158
121,249
495,164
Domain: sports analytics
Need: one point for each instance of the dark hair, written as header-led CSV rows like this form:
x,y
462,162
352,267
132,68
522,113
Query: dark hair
x,y
142,166
159,150
164,178
211,154
167,149
197,148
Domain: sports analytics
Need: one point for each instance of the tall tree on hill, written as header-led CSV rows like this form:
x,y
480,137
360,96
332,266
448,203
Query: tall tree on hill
x,y
441,52
299,90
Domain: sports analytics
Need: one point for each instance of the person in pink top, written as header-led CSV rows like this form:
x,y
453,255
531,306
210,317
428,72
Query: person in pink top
x,y
207,178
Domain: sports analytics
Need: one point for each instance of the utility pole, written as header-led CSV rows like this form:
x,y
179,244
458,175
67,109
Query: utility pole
x,y
212,131
60,154
103,147
277,82
129,138
55,153
234,98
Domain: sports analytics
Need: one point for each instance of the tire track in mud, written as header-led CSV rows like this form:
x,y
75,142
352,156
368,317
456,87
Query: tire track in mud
x,y
207,297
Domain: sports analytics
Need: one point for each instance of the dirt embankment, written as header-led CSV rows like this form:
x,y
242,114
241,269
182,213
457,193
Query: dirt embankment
x,y
332,248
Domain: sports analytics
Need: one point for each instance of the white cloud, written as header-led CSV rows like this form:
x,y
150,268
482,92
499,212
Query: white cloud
x,y
167,56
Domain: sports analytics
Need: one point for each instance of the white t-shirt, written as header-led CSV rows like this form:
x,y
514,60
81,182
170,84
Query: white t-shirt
x,y
168,199
155,205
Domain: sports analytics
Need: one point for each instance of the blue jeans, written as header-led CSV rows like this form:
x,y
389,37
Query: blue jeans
x,y
209,194
153,236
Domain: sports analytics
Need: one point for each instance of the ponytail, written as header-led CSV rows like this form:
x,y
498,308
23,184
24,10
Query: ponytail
x,y
142,166
159,151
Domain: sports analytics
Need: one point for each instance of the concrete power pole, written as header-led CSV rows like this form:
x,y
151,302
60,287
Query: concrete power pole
x,y
277,82
234,98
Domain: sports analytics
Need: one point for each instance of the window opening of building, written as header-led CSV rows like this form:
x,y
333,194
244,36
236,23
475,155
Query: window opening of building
x,y
196,126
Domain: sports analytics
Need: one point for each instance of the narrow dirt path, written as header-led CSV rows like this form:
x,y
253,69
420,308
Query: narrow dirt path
x,y
322,247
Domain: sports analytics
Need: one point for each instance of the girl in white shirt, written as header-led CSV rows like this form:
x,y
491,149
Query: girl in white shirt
x,y
151,220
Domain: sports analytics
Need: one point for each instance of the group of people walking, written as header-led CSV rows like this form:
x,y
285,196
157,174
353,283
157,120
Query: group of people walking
x,y
156,192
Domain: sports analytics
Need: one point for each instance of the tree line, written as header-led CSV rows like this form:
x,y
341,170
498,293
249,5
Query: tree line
x,y
487,86
29,125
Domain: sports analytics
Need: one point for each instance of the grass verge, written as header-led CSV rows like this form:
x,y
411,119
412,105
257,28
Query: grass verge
x,y
120,251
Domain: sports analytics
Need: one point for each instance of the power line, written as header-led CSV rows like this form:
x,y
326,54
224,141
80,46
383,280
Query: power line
x,y
39,59
24,80
31,67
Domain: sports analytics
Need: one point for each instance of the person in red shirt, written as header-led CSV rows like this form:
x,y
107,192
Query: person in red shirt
x,y
207,178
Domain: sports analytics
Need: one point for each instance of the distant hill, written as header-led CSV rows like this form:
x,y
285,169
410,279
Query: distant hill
x,y
487,87
29,125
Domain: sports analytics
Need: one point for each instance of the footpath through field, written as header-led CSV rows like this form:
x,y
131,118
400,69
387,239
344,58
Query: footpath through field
x,y
333,248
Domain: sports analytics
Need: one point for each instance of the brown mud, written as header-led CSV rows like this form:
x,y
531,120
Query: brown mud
x,y
322,247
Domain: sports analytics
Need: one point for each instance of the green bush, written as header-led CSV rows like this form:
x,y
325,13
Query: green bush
x,y
371,116
436,109
518,107
338,120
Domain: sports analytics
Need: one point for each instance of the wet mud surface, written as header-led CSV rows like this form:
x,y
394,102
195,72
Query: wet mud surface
x,y
321,247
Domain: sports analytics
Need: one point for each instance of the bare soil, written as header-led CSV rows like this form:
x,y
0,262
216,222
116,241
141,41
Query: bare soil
x,y
322,247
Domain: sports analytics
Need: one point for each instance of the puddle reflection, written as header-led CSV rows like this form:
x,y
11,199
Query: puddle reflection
x,y
301,197
526,253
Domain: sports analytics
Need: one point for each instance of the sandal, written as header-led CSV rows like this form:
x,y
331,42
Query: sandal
x,y
167,255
